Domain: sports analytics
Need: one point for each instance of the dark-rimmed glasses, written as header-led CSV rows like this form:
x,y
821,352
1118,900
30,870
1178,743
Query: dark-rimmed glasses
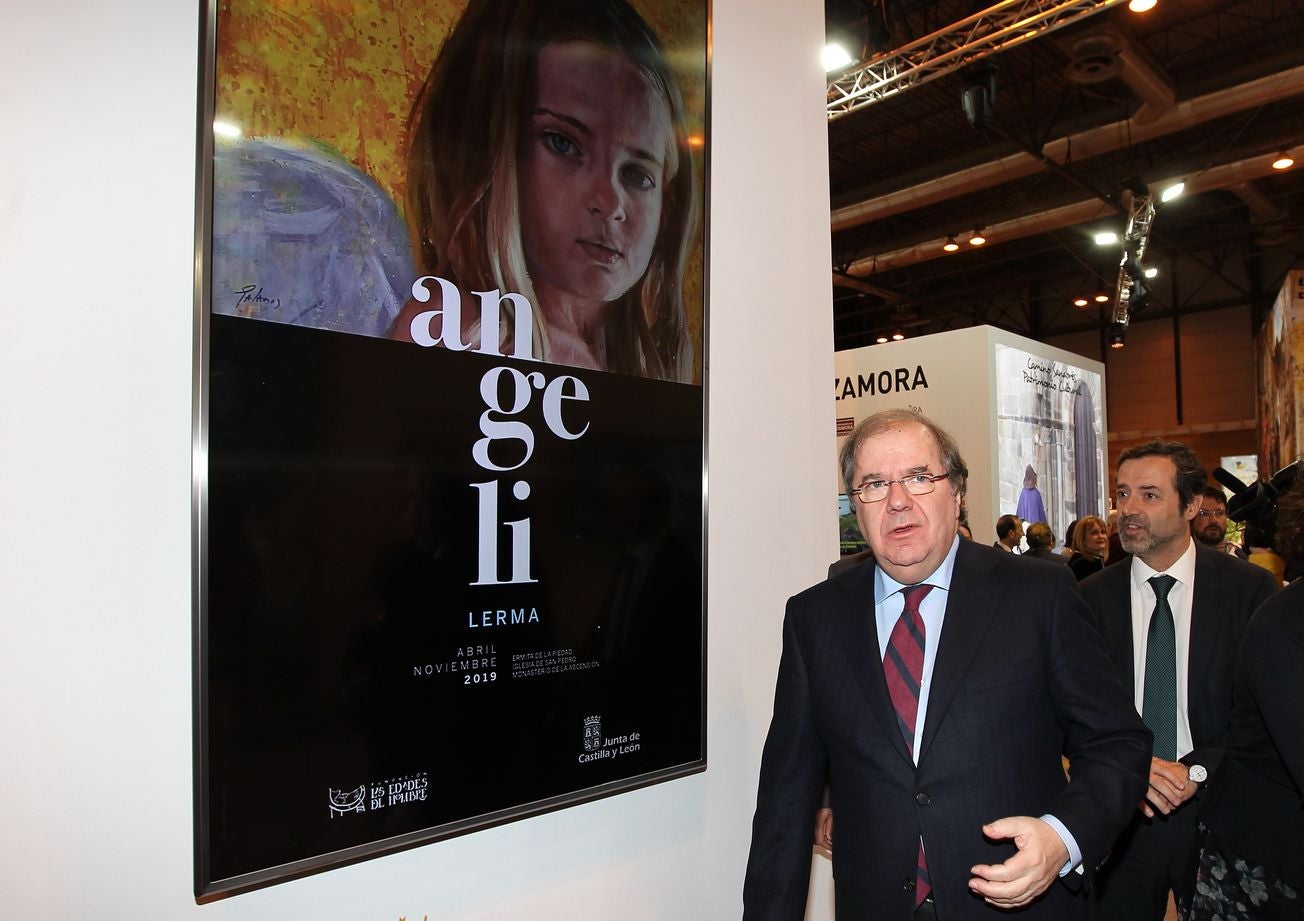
x,y
917,484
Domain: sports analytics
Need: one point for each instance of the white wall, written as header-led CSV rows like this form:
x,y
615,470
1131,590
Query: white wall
x,y
96,243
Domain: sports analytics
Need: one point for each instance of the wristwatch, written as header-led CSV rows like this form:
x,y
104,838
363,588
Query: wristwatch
x,y
1197,773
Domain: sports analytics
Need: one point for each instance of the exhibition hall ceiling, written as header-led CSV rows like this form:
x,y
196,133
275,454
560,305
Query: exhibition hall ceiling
x,y
1203,91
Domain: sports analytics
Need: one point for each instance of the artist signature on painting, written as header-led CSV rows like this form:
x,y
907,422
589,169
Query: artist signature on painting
x,y
252,296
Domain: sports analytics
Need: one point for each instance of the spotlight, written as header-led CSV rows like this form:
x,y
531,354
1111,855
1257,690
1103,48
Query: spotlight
x,y
977,239
1080,301
1151,272
1284,161
1106,238
1142,6
834,57
1173,191
950,245
1117,335
1102,298
898,336
978,98
881,339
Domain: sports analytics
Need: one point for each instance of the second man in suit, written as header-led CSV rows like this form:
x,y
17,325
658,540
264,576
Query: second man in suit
x,y
1173,620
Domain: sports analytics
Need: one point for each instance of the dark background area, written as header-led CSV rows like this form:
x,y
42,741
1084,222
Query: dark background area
x,y
1204,90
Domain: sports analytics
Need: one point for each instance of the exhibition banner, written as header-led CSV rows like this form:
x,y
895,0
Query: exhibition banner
x,y
449,487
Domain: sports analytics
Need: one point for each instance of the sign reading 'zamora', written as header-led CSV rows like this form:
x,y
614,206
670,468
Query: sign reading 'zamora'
x,y
877,383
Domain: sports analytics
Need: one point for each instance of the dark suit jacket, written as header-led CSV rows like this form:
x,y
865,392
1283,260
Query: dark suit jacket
x,y
1049,555
1020,678
1255,803
1226,593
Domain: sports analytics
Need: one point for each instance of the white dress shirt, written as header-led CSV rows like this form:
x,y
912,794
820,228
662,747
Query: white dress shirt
x,y
1143,608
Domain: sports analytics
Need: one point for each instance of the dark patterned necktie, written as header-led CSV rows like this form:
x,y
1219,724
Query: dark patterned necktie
x,y
1159,703
903,667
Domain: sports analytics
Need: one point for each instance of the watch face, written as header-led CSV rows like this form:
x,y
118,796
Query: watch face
x,y
1197,773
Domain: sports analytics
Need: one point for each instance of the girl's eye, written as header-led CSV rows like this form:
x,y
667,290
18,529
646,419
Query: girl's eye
x,y
560,144
636,177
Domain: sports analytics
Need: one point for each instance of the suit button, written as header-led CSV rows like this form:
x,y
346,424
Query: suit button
x,y
908,885
922,799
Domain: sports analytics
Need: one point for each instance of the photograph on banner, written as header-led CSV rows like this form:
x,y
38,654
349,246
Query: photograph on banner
x,y
450,505
1051,441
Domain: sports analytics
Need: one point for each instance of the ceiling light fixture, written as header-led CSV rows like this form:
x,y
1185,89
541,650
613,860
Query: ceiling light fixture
x,y
898,336
977,239
1080,301
1106,238
1173,191
1284,161
1117,335
1142,6
1151,272
881,339
1102,298
950,245
834,57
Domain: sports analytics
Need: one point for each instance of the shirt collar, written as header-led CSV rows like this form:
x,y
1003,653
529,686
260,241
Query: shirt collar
x,y
1183,570
885,586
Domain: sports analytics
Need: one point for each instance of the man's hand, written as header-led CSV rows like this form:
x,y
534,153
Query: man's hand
x,y
1027,874
1169,787
824,828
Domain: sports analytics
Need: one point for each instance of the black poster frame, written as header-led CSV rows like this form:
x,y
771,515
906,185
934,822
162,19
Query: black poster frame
x,y
308,670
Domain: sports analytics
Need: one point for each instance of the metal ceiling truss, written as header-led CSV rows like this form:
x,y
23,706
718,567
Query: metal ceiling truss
x,y
993,30
1131,290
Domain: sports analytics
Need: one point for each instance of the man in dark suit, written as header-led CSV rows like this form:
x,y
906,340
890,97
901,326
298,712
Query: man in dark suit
x,y
1173,620
938,686
1009,531
1040,540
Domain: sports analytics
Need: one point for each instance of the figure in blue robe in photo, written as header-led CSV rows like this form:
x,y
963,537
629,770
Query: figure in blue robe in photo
x,y
1031,508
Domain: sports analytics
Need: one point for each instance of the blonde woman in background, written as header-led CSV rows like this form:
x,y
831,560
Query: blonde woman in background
x,y
1090,546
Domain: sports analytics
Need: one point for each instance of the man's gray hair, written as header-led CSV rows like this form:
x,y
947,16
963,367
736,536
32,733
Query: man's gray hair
x,y
881,422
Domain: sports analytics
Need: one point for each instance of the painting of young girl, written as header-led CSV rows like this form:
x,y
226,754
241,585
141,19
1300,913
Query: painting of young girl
x,y
547,153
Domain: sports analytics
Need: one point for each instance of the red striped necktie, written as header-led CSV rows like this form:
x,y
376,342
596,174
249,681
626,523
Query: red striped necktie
x,y
903,667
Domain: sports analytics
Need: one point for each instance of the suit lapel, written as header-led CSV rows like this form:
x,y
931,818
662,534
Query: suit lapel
x,y
859,631
1206,602
1116,619
970,606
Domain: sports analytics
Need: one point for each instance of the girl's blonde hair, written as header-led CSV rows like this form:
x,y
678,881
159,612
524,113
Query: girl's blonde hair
x,y
463,199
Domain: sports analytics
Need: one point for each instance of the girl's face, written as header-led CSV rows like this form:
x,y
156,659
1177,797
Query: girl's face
x,y
1097,539
593,159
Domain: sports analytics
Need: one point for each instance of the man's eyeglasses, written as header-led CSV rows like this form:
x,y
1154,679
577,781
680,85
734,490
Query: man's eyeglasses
x,y
1212,513
917,484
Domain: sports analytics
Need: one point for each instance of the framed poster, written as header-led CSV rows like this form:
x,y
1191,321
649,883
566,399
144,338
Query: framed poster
x,y
449,475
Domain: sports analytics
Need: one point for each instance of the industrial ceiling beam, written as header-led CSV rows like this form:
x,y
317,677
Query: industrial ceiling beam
x,y
1080,146
1221,176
